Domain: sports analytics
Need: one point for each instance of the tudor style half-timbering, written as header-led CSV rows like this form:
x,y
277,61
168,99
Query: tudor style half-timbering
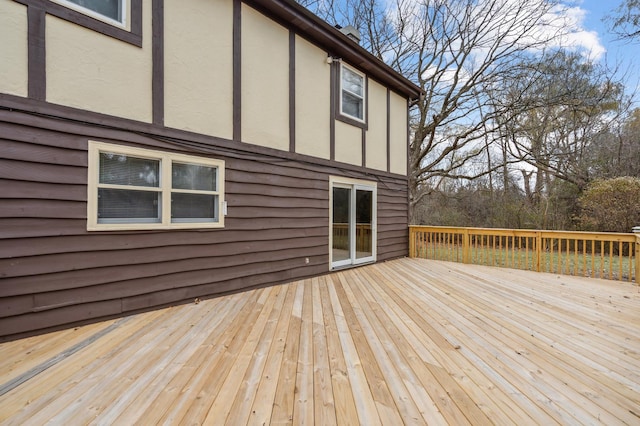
x,y
158,151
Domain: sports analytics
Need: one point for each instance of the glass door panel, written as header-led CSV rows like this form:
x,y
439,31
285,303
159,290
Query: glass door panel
x,y
364,224
340,224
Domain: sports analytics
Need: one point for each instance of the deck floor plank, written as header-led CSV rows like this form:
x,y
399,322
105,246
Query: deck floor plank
x,y
384,400
103,390
324,404
388,355
409,341
266,389
524,362
445,351
346,412
304,403
579,379
472,338
362,393
22,355
231,333
480,387
240,361
174,366
243,398
283,403
174,394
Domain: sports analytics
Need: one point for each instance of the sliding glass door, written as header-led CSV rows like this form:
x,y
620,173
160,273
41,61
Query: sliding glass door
x,y
353,226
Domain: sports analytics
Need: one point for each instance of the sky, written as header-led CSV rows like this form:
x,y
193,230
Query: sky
x,y
608,47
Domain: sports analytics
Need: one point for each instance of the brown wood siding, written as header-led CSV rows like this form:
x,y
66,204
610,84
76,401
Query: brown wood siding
x,y
54,272
393,227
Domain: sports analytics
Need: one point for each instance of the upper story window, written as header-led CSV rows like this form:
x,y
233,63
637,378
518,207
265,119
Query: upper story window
x,y
352,93
112,10
133,188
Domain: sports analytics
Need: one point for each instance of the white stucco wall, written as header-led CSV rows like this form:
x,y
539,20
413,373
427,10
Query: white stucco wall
x,y
13,48
313,100
377,131
92,71
348,144
398,132
265,81
198,60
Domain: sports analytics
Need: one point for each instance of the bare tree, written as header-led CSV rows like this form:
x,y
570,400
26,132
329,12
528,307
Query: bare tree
x,y
615,152
566,104
625,21
570,102
457,51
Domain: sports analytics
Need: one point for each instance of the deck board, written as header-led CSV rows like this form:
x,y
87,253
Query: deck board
x,y
408,341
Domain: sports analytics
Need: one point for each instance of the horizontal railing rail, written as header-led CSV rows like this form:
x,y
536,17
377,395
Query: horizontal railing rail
x,y
341,236
613,256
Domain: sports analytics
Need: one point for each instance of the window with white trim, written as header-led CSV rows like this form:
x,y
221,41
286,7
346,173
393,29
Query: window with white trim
x,y
135,188
110,10
352,93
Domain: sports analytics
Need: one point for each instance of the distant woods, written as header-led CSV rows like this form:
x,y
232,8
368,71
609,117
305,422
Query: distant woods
x,y
515,124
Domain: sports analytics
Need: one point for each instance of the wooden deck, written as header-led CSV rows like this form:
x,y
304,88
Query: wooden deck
x,y
405,342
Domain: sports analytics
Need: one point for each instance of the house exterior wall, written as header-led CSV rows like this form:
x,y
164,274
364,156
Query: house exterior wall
x,y
398,134
198,67
312,100
86,70
13,49
265,81
376,143
348,144
231,80
55,272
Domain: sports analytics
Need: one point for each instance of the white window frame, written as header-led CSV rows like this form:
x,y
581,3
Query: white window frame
x,y
124,4
165,188
343,66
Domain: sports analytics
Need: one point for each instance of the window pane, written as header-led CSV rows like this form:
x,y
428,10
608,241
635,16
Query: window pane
x,y
193,176
352,81
109,8
135,206
193,207
119,169
352,105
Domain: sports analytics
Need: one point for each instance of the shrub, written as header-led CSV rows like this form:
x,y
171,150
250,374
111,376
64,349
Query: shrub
x,y
611,205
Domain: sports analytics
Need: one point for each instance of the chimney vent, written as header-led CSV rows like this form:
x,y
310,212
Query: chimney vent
x,y
351,32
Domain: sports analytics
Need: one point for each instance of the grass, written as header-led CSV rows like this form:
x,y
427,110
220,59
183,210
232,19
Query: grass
x,y
597,266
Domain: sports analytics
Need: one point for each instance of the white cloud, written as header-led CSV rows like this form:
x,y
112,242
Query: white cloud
x,y
563,24
577,37
447,76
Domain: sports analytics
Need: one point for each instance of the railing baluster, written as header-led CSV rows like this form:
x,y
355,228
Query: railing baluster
x,y
584,257
560,252
513,250
576,261
601,260
620,260
552,258
568,259
610,259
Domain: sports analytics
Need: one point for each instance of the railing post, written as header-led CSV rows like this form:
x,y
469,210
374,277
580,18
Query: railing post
x,y
412,242
538,251
466,243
